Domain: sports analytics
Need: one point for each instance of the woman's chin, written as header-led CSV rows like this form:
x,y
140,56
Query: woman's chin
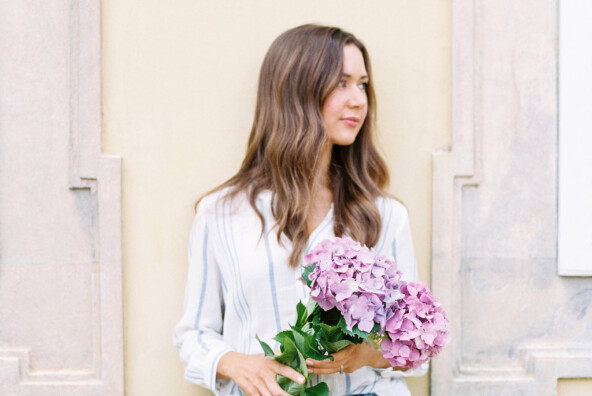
x,y
344,140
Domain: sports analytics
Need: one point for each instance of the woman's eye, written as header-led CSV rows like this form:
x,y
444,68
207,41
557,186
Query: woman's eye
x,y
342,83
363,86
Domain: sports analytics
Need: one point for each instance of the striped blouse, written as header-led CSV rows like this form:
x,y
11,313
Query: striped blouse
x,y
239,285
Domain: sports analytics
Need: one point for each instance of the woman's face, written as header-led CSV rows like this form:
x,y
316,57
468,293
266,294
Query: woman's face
x,y
345,109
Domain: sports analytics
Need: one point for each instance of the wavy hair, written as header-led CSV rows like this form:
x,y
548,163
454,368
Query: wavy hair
x,y
300,70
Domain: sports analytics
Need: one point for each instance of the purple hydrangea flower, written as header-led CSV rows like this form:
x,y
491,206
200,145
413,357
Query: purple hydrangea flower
x,y
415,327
352,278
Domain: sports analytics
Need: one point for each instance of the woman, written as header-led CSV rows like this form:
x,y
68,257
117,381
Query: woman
x,y
311,172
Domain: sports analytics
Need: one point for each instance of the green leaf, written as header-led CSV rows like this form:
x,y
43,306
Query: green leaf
x,y
333,333
306,272
291,355
311,307
301,367
289,352
301,314
335,346
266,348
320,389
308,345
293,388
308,328
298,339
355,332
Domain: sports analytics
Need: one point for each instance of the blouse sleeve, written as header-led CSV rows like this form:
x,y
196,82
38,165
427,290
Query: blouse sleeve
x,y
403,250
398,236
198,335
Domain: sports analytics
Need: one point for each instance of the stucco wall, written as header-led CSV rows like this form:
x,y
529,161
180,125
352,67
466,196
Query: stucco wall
x,y
178,95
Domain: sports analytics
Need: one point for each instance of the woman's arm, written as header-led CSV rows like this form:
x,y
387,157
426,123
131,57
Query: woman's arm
x,y
352,358
198,335
207,358
255,374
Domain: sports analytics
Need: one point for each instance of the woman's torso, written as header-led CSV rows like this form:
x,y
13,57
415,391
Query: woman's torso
x,y
260,290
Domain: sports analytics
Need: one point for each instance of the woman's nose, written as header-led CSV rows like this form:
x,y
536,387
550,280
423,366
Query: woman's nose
x,y
357,97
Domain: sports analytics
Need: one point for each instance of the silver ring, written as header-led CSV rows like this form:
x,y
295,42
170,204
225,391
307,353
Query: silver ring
x,y
341,369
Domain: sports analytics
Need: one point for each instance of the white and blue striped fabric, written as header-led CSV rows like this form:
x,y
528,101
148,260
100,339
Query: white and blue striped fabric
x,y
240,285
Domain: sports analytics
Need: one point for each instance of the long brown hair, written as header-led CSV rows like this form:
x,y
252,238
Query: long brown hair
x,y
301,68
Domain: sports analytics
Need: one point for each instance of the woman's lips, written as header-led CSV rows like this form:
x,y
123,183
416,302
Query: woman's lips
x,y
351,121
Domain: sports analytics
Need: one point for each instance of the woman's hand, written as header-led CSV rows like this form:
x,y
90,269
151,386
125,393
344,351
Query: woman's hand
x,y
256,374
350,358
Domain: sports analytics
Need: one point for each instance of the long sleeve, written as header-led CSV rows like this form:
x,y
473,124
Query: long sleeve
x,y
198,335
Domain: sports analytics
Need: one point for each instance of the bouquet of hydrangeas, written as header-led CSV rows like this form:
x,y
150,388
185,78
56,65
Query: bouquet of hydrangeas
x,y
357,296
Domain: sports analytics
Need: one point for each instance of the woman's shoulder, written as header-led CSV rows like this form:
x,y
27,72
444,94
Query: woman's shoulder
x,y
225,201
208,203
389,204
393,213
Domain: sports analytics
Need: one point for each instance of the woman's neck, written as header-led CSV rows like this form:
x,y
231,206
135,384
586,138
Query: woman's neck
x,y
322,193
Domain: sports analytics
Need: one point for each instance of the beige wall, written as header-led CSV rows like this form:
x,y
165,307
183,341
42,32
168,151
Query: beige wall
x,y
574,387
178,92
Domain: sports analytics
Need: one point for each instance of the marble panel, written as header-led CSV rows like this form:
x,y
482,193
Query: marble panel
x,y
516,325
60,207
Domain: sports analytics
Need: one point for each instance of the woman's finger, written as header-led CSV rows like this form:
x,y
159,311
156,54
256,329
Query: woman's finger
x,y
249,389
312,362
325,370
289,372
271,382
263,391
325,366
254,387
275,389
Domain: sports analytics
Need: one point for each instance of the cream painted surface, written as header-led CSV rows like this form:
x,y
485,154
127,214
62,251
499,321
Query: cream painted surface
x,y
574,387
178,96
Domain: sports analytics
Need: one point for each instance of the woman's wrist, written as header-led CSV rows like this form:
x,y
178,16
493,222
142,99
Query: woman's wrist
x,y
226,365
371,357
377,360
